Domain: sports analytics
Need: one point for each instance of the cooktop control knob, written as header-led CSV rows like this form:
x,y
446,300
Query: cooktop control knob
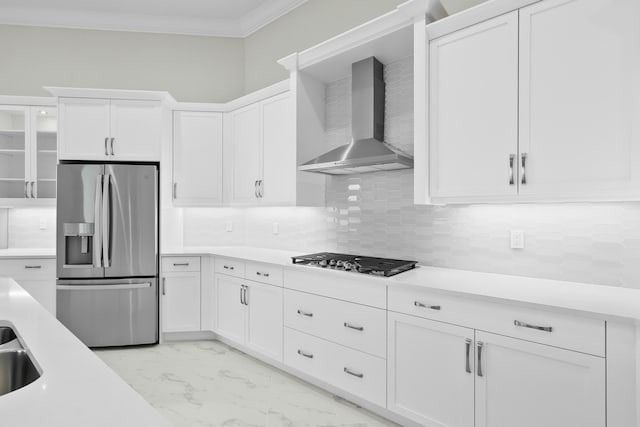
x,y
323,263
348,266
332,262
340,263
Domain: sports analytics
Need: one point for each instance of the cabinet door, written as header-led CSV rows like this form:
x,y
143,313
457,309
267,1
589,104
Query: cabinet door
x,y
43,291
83,128
230,311
136,130
474,110
197,158
181,302
15,164
264,331
524,384
430,371
580,99
43,152
244,147
279,151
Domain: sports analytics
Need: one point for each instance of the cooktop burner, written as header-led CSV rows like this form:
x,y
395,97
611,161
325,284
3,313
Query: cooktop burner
x,y
355,263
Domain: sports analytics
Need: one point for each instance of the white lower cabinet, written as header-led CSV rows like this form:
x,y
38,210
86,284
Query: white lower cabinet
x,y
180,294
250,314
36,276
430,375
355,372
525,384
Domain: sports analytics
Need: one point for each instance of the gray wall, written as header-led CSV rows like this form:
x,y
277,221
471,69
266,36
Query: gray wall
x,y
196,69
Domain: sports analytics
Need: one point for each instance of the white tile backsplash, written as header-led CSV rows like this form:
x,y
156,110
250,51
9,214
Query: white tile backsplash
x,y
24,228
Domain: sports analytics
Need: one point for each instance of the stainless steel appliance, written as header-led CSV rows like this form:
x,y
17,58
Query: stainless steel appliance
x,y
355,263
107,252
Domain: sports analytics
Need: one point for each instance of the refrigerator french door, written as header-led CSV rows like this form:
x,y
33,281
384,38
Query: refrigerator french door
x,y
107,252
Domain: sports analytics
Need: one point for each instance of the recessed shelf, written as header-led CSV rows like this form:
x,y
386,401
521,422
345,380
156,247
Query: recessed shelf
x,y
12,180
47,179
48,151
11,132
47,132
11,150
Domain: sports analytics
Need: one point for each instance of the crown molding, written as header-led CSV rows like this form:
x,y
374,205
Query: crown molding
x,y
239,28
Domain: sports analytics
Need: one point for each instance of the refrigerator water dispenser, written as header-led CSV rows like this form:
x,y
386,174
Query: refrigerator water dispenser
x,y
78,245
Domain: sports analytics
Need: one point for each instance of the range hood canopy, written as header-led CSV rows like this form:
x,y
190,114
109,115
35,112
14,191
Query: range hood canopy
x,y
367,151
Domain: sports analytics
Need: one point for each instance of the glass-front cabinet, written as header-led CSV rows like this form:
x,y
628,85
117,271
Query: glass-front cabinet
x,y
28,155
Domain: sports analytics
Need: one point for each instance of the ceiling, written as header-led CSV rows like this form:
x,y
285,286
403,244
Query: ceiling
x,y
225,18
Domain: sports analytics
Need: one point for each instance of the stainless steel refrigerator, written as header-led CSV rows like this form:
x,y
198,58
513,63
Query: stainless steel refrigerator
x,y
107,252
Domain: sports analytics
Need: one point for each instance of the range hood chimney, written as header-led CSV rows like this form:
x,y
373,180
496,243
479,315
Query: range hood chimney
x,y
367,151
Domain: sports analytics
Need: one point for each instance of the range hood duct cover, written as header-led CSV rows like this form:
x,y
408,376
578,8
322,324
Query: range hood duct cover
x,y
367,151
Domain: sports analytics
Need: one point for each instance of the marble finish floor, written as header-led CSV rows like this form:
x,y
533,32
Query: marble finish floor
x,y
207,383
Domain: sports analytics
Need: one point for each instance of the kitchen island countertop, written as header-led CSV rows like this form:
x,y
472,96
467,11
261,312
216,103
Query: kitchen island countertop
x,y
76,388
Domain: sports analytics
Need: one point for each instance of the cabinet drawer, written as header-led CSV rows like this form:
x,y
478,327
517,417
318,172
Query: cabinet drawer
x,y
180,263
355,372
568,331
30,268
265,273
230,266
353,325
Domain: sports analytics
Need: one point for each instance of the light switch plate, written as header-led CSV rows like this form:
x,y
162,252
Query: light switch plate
x,y
517,239
276,228
229,226
43,223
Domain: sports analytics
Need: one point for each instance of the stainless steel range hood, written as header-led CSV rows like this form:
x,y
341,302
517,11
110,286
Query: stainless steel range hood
x,y
367,151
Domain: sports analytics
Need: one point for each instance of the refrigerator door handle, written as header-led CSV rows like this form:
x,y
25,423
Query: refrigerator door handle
x,y
97,231
106,221
115,287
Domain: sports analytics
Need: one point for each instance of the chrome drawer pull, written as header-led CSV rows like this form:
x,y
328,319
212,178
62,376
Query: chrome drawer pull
x,y
226,267
307,355
180,264
511,159
355,374
523,157
479,368
32,266
357,328
468,352
164,286
432,307
539,328
262,274
304,313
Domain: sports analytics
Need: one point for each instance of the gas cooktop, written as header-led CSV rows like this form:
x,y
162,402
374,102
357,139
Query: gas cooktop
x,y
355,263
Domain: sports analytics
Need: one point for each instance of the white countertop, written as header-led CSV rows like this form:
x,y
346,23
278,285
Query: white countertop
x,y
27,253
76,387
599,300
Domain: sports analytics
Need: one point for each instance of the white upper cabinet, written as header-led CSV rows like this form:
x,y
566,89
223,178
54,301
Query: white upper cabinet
x,y
197,158
474,110
135,130
83,129
580,99
244,145
104,129
261,153
525,384
554,86
278,151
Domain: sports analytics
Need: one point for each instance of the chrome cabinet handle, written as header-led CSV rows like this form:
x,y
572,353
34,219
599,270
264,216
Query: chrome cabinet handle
x,y
246,300
32,266
106,149
479,368
164,286
467,344
355,374
357,328
241,294
175,190
180,264
112,153
523,159
527,325
305,313
307,355
421,305
262,274
511,159
33,189
226,267
255,190
261,188
26,189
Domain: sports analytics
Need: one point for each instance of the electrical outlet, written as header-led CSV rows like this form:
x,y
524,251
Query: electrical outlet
x,y
276,228
43,223
517,239
229,226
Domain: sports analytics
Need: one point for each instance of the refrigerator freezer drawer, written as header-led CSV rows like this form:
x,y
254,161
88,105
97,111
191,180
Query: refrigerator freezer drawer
x,y
105,313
